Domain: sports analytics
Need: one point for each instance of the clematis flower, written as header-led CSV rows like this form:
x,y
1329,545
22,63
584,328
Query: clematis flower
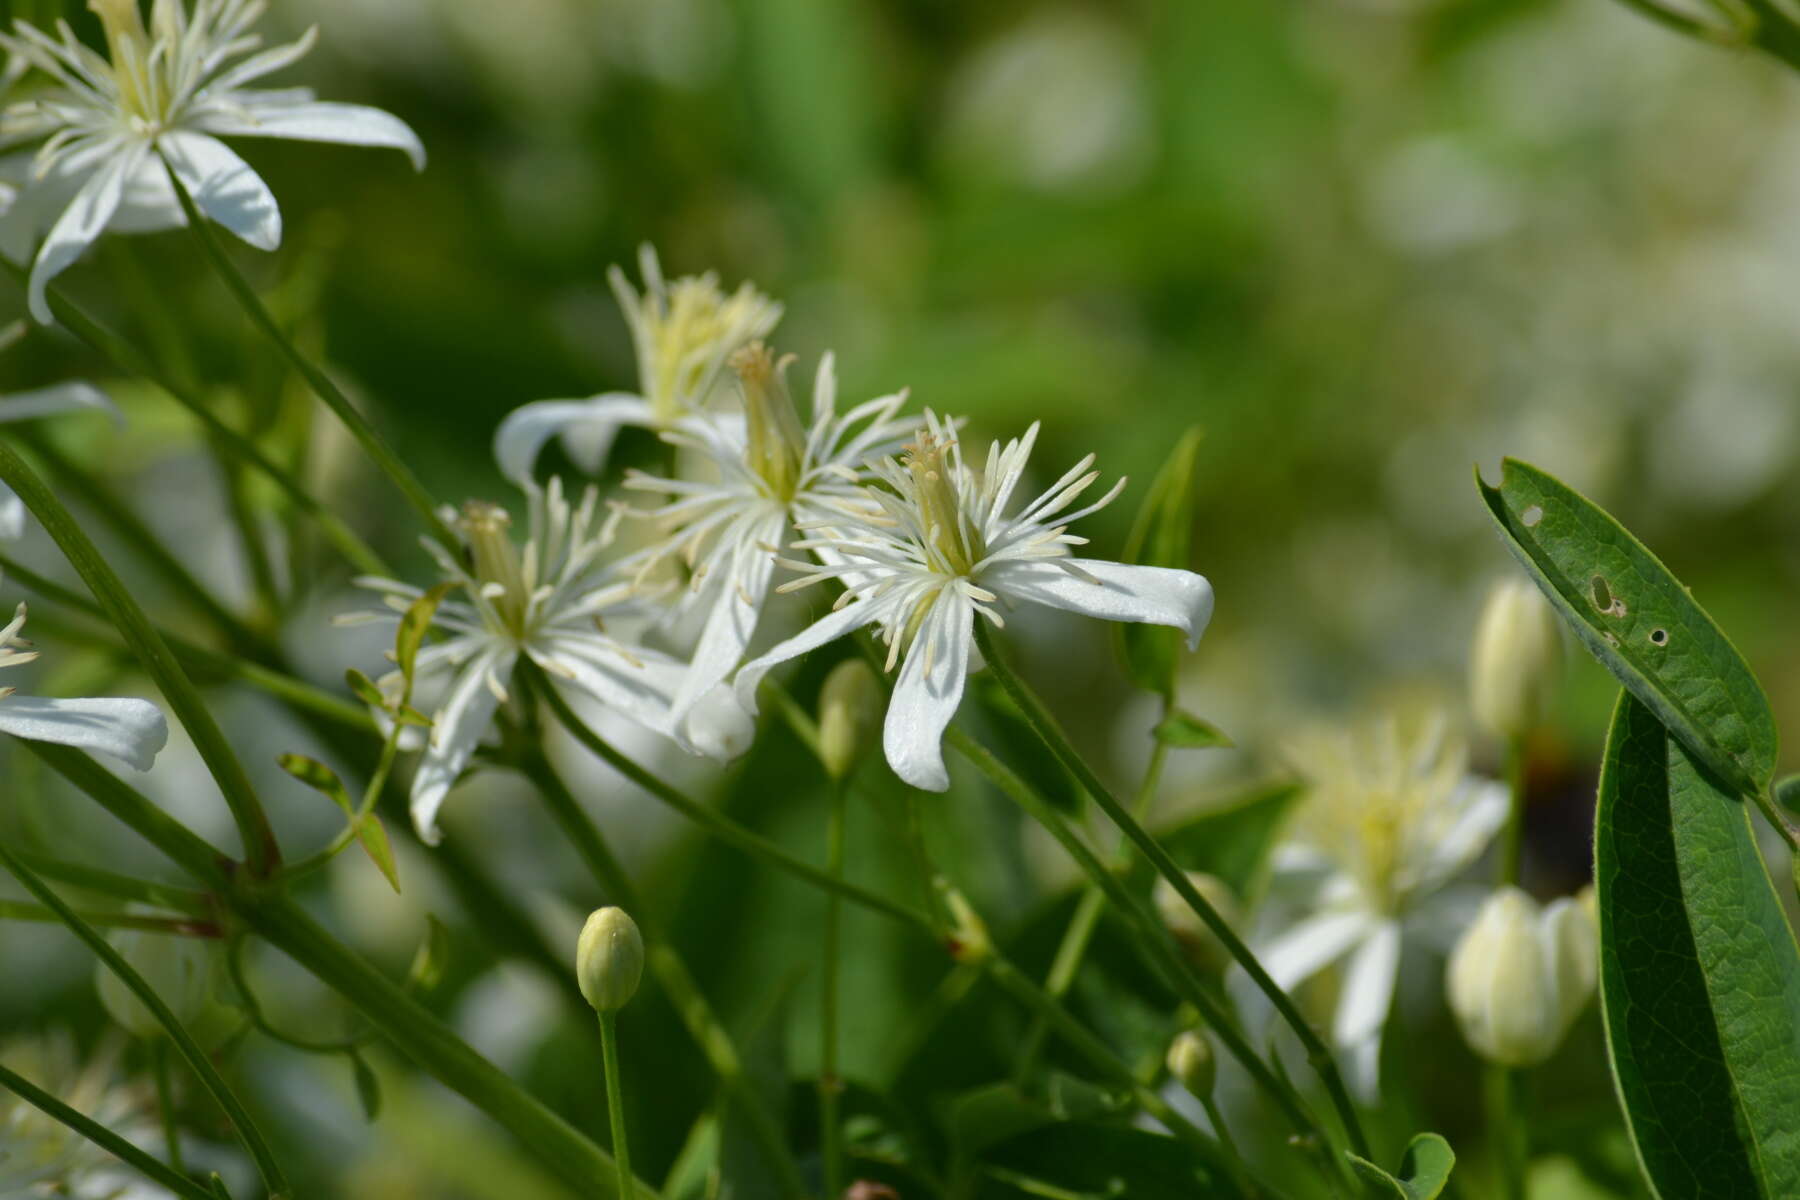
x,y
131,730
762,476
924,555
73,396
42,1157
169,91
682,332
1391,817
547,603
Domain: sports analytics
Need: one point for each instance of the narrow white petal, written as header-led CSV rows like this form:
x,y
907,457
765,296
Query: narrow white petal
x,y
315,121
457,729
1116,592
737,606
12,515
829,628
130,730
80,226
638,687
1311,945
1484,805
224,187
927,693
1368,988
74,396
587,428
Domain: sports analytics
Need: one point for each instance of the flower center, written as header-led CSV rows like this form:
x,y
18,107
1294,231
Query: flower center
x,y
950,538
499,574
777,441
138,63
684,336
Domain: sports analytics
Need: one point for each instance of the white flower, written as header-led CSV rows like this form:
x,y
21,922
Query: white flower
x,y
42,1157
1391,816
547,603
131,730
166,91
43,402
683,333
924,555
768,474
1521,975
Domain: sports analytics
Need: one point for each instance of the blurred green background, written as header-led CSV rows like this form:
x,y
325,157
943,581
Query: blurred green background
x,y
1365,244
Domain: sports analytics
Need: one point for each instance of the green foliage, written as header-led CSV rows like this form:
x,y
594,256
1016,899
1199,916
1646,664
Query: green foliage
x,y
1160,537
1233,841
1424,1171
1699,976
1184,731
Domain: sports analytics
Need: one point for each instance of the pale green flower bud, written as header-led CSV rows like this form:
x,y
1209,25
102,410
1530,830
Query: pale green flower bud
x,y
609,959
181,971
1202,946
851,705
1515,659
1520,976
1191,1063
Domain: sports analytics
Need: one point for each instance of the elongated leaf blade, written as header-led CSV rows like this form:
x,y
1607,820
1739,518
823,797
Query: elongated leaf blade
x,y
1699,975
1639,621
319,777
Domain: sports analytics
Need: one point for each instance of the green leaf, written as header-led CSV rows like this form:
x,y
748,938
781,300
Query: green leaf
x,y
431,958
1639,621
1160,537
374,839
1424,1169
1699,975
414,625
1787,794
1185,731
320,778
1233,841
364,688
368,1087
408,715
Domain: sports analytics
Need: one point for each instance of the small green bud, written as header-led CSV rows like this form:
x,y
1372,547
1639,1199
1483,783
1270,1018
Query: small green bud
x,y
1200,943
1191,1063
1515,659
609,959
851,705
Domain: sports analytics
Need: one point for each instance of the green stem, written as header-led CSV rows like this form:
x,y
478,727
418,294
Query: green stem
x,y
178,690
719,825
1505,1134
1512,837
234,964
196,1058
140,1161
373,444
122,887
1234,1160
165,1102
830,1135
615,1098
1058,744
13,910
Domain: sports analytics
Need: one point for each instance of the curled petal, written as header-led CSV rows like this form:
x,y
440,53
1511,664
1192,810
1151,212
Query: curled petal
x,y
456,730
1109,591
828,628
587,428
313,121
80,225
224,187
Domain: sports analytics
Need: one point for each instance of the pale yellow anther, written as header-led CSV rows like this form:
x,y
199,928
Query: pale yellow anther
x,y
496,560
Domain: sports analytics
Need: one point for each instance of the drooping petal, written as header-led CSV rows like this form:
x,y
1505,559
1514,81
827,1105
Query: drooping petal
x,y
130,730
1368,988
80,226
828,628
928,691
314,121
224,187
74,396
737,606
587,428
1112,591
456,730
1312,944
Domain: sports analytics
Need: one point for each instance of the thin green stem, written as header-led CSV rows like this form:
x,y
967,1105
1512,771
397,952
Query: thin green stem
x,y
178,690
1506,1135
1512,837
1234,1160
234,964
165,1103
1058,744
141,1161
830,1135
196,1058
366,435
615,1098
121,887
719,825
14,910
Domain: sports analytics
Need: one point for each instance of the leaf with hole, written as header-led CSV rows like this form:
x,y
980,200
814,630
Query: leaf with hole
x,y
1699,975
1639,621
1424,1170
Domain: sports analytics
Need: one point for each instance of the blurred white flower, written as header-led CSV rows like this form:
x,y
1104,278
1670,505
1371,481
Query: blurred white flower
x,y
925,554
130,730
1391,816
769,474
105,123
1521,975
547,603
1515,658
40,1156
683,333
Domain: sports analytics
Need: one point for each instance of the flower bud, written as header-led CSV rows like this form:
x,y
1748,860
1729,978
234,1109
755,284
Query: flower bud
x,y
180,970
851,705
1200,943
969,939
1520,976
609,959
1514,661
1191,1063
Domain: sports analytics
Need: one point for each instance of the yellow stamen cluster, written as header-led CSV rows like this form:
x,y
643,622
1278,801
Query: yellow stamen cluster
x,y
684,337
777,440
495,561
949,534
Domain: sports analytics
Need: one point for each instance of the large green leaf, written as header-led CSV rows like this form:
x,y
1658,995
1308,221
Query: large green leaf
x,y
1699,976
1639,621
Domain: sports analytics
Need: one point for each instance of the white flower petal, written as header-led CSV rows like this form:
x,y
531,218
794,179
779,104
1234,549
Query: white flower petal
x,y
131,730
718,727
74,396
587,428
638,687
80,225
1312,944
1368,987
12,515
736,608
1483,806
456,730
1116,592
828,628
224,187
928,691
314,121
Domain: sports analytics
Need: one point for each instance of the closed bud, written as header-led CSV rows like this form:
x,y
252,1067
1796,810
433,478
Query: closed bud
x,y
969,940
1199,942
1520,976
181,971
609,959
1514,662
850,710
1191,1063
